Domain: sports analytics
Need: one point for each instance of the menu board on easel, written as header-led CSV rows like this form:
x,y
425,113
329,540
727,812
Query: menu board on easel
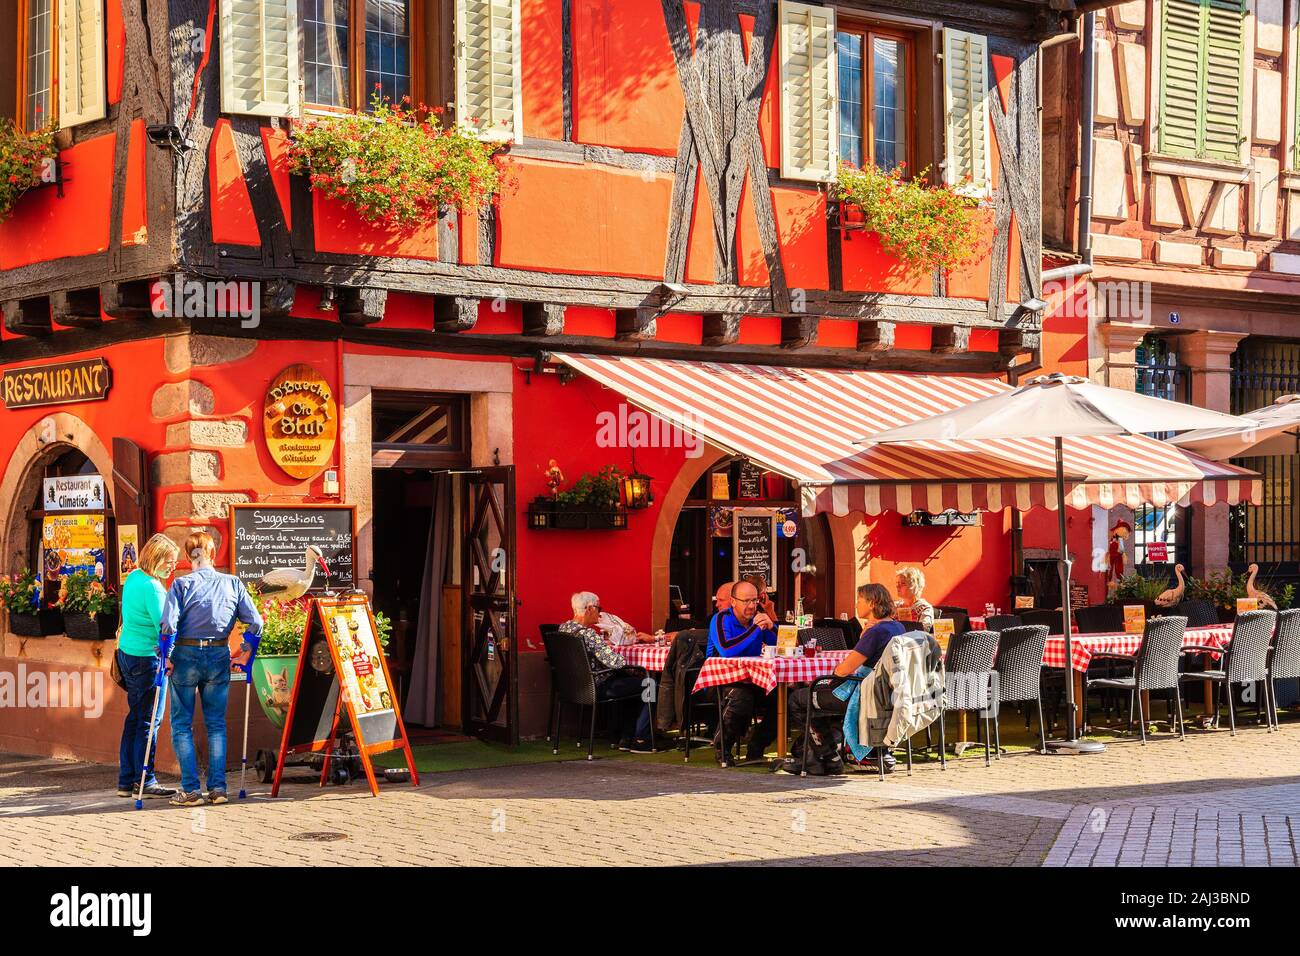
x,y
341,667
753,540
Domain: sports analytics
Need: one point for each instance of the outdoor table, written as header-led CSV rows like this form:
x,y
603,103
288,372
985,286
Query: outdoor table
x,y
1083,647
652,657
769,673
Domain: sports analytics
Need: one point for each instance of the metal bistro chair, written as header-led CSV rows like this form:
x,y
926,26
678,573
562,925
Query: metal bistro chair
x,y
969,663
850,629
1019,664
1245,660
1044,616
548,631
828,638
690,698
1283,657
1155,667
1000,622
576,684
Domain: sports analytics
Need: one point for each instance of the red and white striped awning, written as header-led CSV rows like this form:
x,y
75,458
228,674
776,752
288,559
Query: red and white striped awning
x,y
802,423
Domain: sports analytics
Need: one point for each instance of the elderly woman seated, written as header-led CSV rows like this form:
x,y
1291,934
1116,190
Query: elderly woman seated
x,y
632,716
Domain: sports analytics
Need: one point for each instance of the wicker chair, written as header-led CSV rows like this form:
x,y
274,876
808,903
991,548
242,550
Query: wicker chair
x,y
575,681
1000,622
968,663
1043,616
1155,667
548,630
1198,613
1019,665
1283,657
1244,661
1100,619
851,629
692,697
827,638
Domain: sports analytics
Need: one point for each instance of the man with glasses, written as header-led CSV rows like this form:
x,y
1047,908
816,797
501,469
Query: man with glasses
x,y
741,631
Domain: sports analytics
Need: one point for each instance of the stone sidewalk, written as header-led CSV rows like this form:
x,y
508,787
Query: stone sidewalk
x,y
1211,799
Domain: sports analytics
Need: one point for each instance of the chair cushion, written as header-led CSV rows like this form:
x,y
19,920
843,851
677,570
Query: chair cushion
x,y
1124,683
1204,675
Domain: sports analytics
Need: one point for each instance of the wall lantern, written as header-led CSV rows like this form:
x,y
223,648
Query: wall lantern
x,y
636,488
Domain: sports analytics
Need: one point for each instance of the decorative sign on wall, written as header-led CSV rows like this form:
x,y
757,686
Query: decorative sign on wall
x,y
300,421
74,493
73,543
63,383
754,544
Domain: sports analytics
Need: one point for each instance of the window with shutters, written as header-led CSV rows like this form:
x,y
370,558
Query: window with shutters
x,y
967,164
809,89
35,64
352,50
877,108
488,71
1202,78
80,80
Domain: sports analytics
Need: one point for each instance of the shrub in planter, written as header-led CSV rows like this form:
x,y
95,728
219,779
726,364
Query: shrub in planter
x,y
1133,588
26,161
20,595
396,165
924,227
90,609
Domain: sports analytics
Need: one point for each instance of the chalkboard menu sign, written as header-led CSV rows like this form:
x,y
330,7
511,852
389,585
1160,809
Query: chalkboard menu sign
x,y
266,537
753,536
1078,595
750,484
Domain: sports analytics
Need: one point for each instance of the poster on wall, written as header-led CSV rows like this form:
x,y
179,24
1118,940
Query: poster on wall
x,y
73,493
128,549
71,543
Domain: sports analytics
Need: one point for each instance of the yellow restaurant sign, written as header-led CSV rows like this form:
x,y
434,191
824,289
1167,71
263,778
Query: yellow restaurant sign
x,y
300,420
64,383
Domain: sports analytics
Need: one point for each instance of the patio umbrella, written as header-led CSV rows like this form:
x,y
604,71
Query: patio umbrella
x,y
1060,407
1274,430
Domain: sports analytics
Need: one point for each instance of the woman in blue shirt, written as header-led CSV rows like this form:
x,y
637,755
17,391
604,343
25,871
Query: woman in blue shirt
x,y
201,610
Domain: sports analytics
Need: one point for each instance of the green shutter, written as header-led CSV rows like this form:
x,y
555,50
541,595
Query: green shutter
x,y
1202,67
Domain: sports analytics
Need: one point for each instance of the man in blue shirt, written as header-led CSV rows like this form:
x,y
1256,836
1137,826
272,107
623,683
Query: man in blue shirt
x,y
200,612
741,631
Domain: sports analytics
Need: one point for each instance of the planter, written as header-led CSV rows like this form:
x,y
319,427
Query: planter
x,y
80,626
545,514
273,678
41,624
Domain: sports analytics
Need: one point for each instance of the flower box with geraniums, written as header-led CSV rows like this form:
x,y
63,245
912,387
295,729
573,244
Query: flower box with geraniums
x,y
26,162
90,609
20,594
276,664
398,166
595,502
924,227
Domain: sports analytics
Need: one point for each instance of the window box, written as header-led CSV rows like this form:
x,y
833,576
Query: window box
x,y
545,514
80,626
41,624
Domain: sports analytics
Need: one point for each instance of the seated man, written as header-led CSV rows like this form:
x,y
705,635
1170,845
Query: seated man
x,y
741,631
876,609
683,654
632,720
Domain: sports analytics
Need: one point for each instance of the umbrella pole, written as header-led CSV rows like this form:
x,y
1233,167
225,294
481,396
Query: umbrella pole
x,y
1070,743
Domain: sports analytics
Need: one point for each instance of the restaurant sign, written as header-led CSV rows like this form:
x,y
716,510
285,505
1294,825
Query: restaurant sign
x,y
300,421
84,381
73,493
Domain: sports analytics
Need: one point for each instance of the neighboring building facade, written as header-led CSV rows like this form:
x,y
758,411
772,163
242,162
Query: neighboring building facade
x,y
1194,233
670,163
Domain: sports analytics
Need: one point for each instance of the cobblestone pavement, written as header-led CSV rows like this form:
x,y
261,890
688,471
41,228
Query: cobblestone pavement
x,y
1211,799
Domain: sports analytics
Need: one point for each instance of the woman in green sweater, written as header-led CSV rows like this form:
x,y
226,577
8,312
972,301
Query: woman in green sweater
x,y
137,657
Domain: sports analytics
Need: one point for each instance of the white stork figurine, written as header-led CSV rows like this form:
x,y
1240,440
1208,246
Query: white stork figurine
x,y
288,584
1170,597
1252,591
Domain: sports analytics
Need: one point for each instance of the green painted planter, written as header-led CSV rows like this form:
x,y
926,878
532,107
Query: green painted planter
x,y
273,678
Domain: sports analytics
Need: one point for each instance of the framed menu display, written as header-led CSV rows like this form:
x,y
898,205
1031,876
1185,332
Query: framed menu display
x,y
753,536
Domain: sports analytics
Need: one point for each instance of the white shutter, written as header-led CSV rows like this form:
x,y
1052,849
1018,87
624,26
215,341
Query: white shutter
x,y
966,106
809,77
82,83
259,57
488,72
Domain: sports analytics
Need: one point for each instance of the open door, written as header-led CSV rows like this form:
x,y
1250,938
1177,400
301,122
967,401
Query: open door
x,y
490,687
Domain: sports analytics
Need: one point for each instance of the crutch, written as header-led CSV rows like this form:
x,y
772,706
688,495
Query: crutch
x,y
159,693
248,683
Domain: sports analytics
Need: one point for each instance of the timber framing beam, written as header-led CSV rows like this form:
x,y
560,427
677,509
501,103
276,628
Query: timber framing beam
x,y
543,318
76,307
635,325
28,316
454,313
364,306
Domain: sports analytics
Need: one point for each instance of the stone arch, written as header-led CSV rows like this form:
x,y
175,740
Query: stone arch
x,y
670,510
47,439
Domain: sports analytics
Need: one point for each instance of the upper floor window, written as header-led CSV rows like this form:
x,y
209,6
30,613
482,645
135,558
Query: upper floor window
x,y
351,50
875,90
1202,64
36,63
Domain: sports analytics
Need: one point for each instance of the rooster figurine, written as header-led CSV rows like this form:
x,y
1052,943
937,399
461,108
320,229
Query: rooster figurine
x,y
288,584
1252,591
1170,597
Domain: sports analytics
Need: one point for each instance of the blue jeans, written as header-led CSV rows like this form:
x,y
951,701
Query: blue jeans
x,y
139,673
632,717
202,672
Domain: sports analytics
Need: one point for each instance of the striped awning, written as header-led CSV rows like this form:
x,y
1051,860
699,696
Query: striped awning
x,y
802,423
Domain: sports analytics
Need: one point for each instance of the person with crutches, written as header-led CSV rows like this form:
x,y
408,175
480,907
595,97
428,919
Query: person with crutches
x,y
143,595
201,610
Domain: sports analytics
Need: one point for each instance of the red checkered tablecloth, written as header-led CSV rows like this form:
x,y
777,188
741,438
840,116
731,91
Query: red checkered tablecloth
x,y
1084,646
652,657
766,672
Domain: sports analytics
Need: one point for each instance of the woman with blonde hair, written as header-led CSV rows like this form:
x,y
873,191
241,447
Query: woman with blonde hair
x,y
911,606
202,609
143,595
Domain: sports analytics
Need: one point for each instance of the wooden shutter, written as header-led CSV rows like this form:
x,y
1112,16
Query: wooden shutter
x,y
131,492
488,72
966,108
81,57
259,57
809,78
1202,78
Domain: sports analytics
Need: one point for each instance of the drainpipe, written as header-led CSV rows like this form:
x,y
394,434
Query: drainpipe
x,y
1085,137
